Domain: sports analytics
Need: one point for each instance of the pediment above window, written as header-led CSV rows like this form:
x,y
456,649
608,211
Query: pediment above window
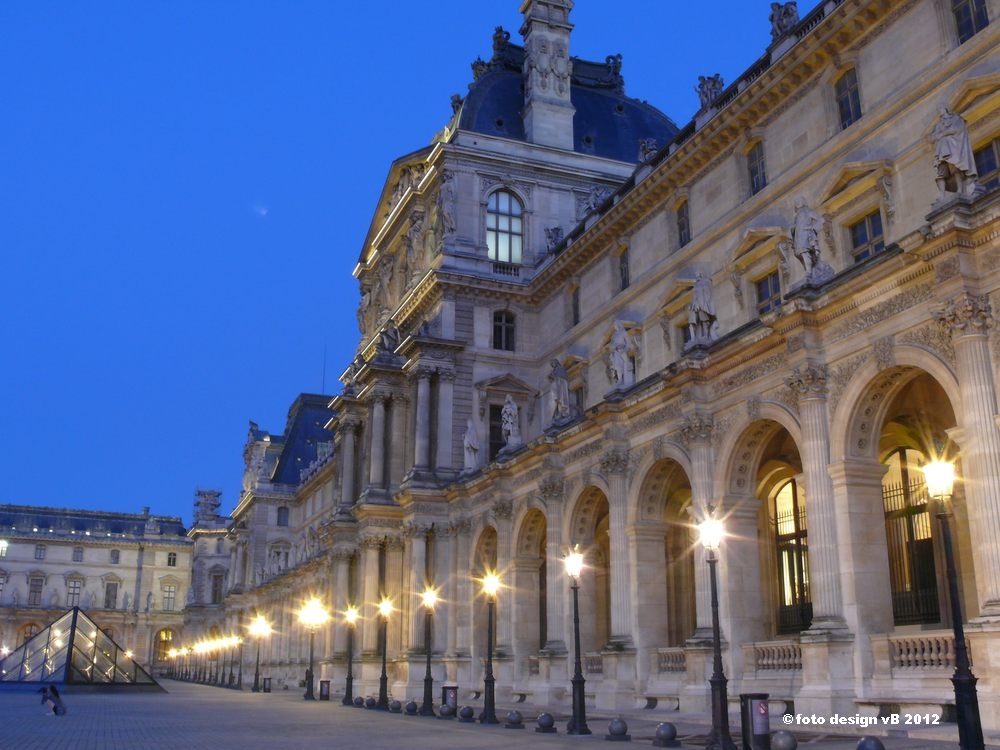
x,y
976,98
853,180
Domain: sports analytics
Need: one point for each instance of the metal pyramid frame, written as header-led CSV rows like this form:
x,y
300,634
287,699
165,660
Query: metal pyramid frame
x,y
73,650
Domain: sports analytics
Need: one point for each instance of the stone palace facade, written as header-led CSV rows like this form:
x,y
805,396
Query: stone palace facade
x,y
582,324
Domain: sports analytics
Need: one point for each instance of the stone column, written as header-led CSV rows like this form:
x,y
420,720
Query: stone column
x,y
445,407
614,465
503,512
552,492
239,563
398,439
461,585
341,592
696,433
417,581
809,384
395,591
370,593
376,472
348,427
422,455
969,319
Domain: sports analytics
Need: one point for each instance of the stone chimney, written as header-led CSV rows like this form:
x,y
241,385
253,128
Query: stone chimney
x,y
548,111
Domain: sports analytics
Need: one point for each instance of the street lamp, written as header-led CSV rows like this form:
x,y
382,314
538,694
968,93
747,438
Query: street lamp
x,y
312,616
351,618
491,584
711,532
429,598
259,628
578,722
940,476
384,609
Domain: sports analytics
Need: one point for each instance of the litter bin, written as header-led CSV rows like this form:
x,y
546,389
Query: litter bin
x,y
324,690
449,696
267,684
755,721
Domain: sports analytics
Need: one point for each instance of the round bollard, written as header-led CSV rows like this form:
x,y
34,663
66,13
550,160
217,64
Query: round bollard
x,y
467,714
618,731
514,720
447,711
870,743
359,702
411,708
395,706
546,724
666,735
782,740
370,702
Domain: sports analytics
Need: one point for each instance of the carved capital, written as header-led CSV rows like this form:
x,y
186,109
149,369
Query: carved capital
x,y
551,490
371,541
342,554
808,381
502,509
697,428
614,462
966,314
412,529
348,423
446,376
458,527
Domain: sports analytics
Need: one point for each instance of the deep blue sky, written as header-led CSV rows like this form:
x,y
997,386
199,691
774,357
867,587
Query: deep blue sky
x,y
184,189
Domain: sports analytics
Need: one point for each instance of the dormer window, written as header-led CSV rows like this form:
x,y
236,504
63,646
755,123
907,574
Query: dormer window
x,y
504,227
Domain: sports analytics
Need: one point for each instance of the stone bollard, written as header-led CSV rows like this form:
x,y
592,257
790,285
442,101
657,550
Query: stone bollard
x,y
359,702
618,731
514,720
446,711
370,702
395,706
782,740
411,708
546,724
666,735
467,714
870,743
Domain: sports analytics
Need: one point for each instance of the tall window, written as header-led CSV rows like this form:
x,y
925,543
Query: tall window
x,y
78,554
987,159
504,228
791,540
755,168
848,98
282,516
574,302
866,237
3,581
768,293
503,330
496,430
912,575
39,551
35,584
169,592
683,225
3,547
73,589
970,17
111,595
163,640
623,270
171,559
115,556
220,546
218,581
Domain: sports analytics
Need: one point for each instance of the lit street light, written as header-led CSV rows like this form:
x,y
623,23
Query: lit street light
x,y
940,476
711,531
312,616
429,598
384,609
351,618
491,584
259,628
578,721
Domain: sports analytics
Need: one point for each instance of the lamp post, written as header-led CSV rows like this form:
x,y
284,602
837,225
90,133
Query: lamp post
x,y
351,618
239,674
491,584
578,721
259,628
712,531
312,615
940,476
384,609
429,598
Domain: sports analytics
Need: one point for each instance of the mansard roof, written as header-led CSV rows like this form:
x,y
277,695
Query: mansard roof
x,y
59,521
607,123
305,431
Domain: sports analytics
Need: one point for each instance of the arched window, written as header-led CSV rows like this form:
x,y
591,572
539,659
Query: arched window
x,y
791,542
848,99
504,227
282,516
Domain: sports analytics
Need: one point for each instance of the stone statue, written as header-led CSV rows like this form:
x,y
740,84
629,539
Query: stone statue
x,y
784,17
702,321
708,89
125,601
149,601
509,424
559,387
953,159
388,339
456,103
553,236
647,149
806,229
471,444
620,348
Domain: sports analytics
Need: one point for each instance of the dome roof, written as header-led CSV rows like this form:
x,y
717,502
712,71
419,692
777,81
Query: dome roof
x,y
607,123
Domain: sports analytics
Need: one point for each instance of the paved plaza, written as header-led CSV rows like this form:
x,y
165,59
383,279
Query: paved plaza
x,y
197,717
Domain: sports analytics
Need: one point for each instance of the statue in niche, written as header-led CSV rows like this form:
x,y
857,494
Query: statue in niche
x,y
806,228
149,601
509,424
559,388
618,354
784,17
708,89
470,441
953,159
561,67
363,305
703,324
88,599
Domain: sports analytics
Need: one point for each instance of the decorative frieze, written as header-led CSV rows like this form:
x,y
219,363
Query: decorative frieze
x,y
934,337
885,356
658,417
966,314
614,462
882,311
739,379
697,427
552,490
587,449
841,374
502,509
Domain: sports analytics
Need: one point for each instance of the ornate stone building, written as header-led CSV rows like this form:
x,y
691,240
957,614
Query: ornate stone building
x,y
583,325
128,571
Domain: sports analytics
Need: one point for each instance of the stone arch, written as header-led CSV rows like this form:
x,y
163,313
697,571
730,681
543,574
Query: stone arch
x,y
528,574
484,560
589,526
657,472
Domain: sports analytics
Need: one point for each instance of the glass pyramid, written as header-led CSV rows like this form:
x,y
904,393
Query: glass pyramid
x,y
72,650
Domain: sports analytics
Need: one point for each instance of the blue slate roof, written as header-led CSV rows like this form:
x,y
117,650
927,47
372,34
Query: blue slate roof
x,y
304,432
